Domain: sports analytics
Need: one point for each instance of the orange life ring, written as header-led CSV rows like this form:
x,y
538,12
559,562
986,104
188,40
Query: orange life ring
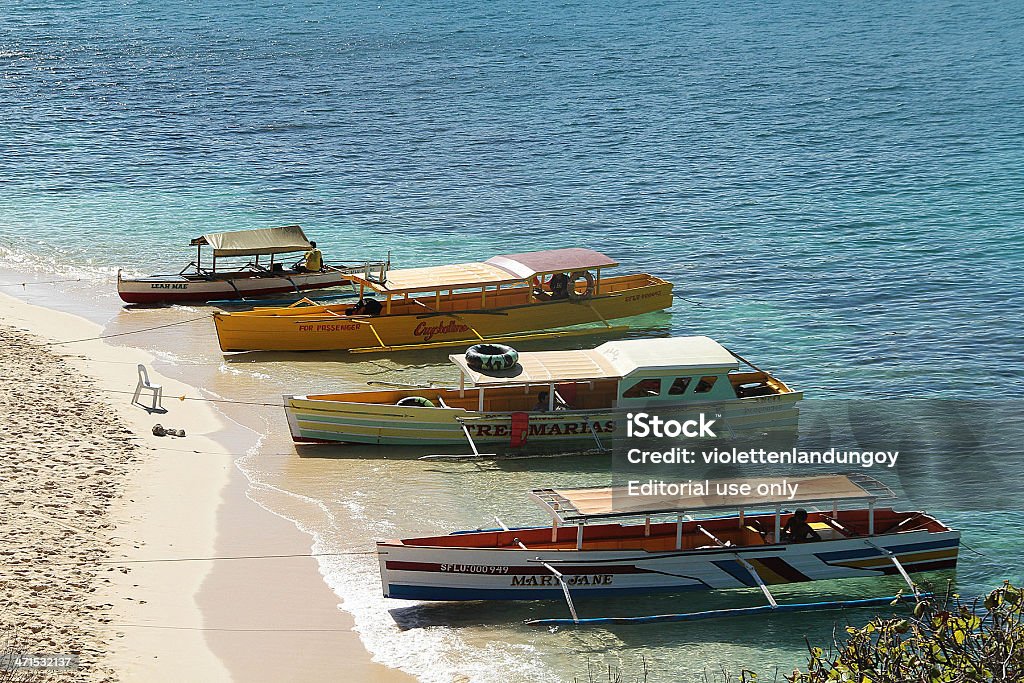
x,y
571,289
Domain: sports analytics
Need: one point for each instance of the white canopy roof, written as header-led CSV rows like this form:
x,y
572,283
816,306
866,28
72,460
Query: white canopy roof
x,y
571,505
645,354
531,263
498,270
432,278
611,360
261,241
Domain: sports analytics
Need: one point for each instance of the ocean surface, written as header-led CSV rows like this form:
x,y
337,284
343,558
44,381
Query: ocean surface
x,y
836,190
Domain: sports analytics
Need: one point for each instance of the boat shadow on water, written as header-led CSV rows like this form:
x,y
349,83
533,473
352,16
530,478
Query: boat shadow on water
x,y
785,629
288,357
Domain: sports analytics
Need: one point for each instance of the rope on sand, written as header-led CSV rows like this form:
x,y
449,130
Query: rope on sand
x,y
121,334
236,557
54,282
195,398
214,558
234,630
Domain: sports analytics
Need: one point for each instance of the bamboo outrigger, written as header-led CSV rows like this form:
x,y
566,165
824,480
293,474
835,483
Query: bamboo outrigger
x,y
589,392
587,552
533,295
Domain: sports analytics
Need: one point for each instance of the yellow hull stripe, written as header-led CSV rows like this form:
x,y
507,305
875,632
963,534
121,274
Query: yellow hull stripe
x,y
908,558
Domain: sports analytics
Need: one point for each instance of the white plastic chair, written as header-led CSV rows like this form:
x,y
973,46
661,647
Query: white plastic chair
x,y
144,383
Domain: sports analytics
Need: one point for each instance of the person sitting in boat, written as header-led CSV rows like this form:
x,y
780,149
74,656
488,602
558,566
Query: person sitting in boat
x,y
797,530
372,307
365,307
313,262
542,403
558,288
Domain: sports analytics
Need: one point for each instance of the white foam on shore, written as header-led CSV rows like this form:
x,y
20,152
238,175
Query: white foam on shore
x,y
45,262
434,653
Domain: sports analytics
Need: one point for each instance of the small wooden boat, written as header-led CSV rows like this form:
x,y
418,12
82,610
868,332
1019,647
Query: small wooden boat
x,y
588,552
194,283
497,300
588,393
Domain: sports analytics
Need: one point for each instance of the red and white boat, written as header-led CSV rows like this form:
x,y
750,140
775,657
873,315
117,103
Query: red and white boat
x,y
194,283
586,553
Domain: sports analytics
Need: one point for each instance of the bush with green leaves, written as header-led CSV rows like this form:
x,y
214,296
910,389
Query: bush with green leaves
x,y
948,641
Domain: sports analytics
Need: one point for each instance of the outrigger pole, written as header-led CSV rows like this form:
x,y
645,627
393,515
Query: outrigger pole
x,y
472,444
469,438
734,612
899,567
565,589
590,426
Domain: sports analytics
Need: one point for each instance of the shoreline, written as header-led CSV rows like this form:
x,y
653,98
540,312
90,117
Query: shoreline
x,y
251,619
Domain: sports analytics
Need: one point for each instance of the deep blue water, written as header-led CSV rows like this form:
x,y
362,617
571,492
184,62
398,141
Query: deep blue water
x,y
836,189
839,184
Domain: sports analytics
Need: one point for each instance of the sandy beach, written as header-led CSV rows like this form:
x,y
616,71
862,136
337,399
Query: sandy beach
x,y
66,459
113,530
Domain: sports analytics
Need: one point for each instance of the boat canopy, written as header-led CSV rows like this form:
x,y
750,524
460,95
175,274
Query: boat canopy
x,y
579,505
611,360
432,278
691,353
532,263
498,270
283,240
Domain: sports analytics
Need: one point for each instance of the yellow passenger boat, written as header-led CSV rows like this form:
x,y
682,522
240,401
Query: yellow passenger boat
x,y
500,299
549,397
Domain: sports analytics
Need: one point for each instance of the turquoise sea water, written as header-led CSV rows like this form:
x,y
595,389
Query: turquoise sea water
x,y
837,192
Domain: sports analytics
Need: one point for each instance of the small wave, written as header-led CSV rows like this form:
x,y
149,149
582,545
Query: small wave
x,y
226,369
55,264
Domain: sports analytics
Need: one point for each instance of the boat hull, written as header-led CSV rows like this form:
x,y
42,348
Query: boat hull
x,y
327,328
181,289
325,421
511,573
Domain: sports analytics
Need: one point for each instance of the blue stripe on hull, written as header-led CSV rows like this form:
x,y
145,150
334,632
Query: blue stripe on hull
x,y
736,570
898,549
404,592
